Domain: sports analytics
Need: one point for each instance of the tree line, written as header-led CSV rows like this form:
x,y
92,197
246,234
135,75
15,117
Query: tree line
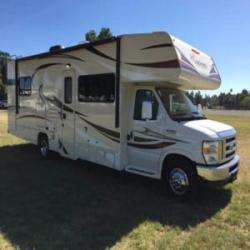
x,y
223,100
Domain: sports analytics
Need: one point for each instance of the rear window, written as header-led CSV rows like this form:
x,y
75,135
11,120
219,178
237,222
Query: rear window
x,y
25,86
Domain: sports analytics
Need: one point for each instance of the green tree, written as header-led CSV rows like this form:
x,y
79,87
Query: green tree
x,y
191,95
103,34
222,99
3,57
4,54
206,101
245,103
90,36
198,98
214,101
244,92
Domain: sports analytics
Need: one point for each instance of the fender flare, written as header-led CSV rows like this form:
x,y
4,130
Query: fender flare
x,y
175,151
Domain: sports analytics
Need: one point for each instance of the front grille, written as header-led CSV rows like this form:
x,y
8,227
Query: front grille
x,y
229,148
230,139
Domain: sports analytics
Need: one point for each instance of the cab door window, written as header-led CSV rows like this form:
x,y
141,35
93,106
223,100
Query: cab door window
x,y
146,105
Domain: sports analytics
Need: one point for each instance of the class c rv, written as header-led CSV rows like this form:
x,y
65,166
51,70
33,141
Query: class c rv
x,y
122,103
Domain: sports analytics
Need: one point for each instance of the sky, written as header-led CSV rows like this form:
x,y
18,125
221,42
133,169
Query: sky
x,y
221,28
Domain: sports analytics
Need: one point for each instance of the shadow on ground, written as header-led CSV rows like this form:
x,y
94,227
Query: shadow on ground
x,y
63,204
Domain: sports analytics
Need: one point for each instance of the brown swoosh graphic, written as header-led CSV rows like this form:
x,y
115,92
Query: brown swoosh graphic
x,y
151,146
158,46
164,64
33,116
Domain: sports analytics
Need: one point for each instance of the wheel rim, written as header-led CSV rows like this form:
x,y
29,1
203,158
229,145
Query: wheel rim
x,y
44,148
178,181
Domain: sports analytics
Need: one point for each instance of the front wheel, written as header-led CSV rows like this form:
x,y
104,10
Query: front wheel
x,y
181,178
44,146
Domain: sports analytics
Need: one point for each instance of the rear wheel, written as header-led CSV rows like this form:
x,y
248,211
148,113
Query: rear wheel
x,y
44,146
181,178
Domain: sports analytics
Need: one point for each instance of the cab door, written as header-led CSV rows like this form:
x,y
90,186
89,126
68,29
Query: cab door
x,y
144,133
67,115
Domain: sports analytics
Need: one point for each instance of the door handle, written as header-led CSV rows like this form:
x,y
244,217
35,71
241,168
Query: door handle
x,y
130,136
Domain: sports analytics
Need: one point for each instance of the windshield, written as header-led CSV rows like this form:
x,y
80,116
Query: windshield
x,y
178,105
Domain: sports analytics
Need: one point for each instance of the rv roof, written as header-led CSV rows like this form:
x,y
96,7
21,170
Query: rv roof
x,y
72,48
82,45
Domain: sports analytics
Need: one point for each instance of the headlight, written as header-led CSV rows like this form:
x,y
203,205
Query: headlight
x,y
212,151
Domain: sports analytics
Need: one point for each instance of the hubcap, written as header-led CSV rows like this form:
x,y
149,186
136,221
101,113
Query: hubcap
x,y
178,181
44,148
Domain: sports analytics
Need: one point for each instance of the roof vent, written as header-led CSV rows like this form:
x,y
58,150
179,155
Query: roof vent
x,y
55,48
83,42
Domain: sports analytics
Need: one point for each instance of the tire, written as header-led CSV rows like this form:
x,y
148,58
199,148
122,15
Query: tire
x,y
181,178
44,146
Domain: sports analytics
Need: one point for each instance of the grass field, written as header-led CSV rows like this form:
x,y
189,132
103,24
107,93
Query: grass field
x,y
62,204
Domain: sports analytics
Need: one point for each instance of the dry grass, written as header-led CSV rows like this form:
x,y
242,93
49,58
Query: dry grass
x,y
62,204
5,138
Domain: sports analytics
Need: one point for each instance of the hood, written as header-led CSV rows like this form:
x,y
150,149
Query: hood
x,y
211,128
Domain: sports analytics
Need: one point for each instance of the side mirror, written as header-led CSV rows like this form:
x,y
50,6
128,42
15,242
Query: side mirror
x,y
147,111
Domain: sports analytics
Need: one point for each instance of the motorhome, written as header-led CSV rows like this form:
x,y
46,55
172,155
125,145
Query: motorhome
x,y
122,103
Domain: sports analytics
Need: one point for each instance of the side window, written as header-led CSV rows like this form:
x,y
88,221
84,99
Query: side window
x,y
142,97
67,90
25,86
96,88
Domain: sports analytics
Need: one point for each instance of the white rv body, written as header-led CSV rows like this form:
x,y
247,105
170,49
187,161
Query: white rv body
x,y
106,132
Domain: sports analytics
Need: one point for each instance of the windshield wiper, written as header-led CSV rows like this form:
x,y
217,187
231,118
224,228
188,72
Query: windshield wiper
x,y
199,118
179,114
189,118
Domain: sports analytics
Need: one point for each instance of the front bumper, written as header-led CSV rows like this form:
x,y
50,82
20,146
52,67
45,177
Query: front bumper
x,y
222,174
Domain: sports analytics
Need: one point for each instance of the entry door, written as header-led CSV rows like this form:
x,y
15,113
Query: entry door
x,y
144,137
67,115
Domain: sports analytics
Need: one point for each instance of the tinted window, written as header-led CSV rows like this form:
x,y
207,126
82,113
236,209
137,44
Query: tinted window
x,y
145,96
67,90
96,88
25,85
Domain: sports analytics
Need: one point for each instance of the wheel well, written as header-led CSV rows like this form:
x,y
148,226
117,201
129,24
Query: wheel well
x,y
172,157
40,136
